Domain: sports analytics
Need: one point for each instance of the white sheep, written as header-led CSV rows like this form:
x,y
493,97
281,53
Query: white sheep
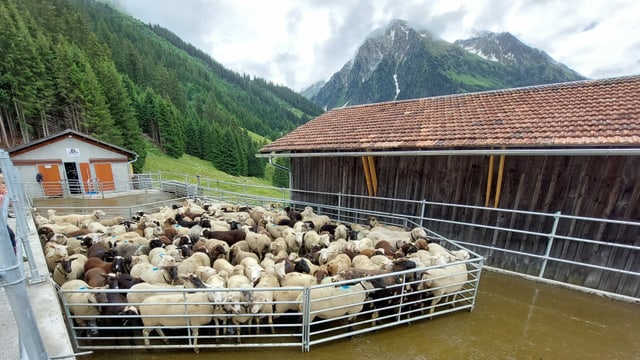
x,y
364,262
158,255
263,300
196,308
53,253
221,265
444,281
317,220
258,243
237,301
191,264
339,263
286,298
335,301
75,219
83,303
136,296
252,269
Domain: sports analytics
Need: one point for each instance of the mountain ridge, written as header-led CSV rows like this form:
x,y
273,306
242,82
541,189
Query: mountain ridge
x,y
400,62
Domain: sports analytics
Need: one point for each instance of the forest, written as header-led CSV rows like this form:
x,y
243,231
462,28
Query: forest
x,y
82,65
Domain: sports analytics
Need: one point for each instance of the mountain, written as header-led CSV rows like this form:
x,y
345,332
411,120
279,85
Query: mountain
x,y
313,89
400,62
83,65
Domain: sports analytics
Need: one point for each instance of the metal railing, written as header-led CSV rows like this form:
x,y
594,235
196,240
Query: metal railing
x,y
301,320
546,246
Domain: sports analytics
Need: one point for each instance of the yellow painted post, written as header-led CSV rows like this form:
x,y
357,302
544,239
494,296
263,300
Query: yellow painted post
x,y
489,181
367,175
373,176
499,183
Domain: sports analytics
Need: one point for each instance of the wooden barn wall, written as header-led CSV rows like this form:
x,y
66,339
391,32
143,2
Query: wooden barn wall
x,y
586,186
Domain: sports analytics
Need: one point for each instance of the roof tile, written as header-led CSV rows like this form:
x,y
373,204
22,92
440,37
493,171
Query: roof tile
x,y
583,113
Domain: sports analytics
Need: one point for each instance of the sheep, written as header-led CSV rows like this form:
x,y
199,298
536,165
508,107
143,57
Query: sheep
x,y
198,306
159,275
252,269
61,228
115,266
317,220
310,239
263,300
230,237
74,245
286,298
79,299
158,255
258,243
338,264
278,248
237,301
363,262
442,282
335,301
136,295
69,268
53,254
191,264
75,219
224,265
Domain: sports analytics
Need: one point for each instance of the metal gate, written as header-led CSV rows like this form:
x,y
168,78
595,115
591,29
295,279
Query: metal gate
x,y
302,316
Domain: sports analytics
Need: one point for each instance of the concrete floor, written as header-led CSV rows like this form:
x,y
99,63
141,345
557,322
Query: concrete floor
x,y
45,308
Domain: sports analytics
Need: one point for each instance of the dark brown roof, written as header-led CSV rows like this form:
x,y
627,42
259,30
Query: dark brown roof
x,y
583,113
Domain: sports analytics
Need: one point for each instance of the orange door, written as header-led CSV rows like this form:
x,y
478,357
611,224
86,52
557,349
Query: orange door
x,y
85,175
51,179
104,176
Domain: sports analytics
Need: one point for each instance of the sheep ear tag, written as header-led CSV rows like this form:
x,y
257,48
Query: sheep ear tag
x,y
345,287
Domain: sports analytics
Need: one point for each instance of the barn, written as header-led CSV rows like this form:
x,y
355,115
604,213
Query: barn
x,y
71,162
572,148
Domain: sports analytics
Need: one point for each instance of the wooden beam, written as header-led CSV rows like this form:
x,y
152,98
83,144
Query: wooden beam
x,y
499,183
489,181
367,175
373,176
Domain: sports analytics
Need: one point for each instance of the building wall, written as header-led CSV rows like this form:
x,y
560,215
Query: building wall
x,y
585,186
57,152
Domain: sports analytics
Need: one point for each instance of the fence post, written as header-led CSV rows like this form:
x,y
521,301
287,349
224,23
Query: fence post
x,y
306,324
552,234
422,211
339,206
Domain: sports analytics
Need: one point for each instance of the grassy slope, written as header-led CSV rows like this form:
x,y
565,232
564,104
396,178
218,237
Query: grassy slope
x,y
176,169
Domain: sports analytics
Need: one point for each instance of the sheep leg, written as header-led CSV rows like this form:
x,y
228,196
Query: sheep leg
x,y
147,331
273,330
195,332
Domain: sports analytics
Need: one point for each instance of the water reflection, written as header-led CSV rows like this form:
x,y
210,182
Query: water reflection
x,y
513,319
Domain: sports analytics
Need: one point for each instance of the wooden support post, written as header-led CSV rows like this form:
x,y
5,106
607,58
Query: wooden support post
x,y
373,176
489,181
367,174
499,183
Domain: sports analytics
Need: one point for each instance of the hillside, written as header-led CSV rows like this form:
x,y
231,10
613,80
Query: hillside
x,y
400,62
83,65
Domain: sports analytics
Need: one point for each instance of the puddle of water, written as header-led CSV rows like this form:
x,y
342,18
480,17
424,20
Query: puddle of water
x,y
513,319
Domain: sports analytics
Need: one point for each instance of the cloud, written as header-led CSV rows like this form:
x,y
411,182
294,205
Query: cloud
x,y
298,43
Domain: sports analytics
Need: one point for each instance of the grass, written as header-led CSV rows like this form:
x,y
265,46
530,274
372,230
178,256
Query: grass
x,y
188,167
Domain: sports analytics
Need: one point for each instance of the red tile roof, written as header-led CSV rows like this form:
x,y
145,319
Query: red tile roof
x,y
583,113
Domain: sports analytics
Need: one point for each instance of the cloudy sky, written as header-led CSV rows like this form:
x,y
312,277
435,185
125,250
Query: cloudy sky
x,y
296,43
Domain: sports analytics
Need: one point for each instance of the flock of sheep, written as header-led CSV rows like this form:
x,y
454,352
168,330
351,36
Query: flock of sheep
x,y
243,265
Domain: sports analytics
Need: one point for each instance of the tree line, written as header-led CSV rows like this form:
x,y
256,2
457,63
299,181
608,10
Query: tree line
x,y
82,65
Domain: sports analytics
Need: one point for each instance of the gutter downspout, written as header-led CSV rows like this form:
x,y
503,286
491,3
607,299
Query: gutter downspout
x,y
278,166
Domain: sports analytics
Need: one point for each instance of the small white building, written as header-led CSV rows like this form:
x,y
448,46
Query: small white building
x,y
71,162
